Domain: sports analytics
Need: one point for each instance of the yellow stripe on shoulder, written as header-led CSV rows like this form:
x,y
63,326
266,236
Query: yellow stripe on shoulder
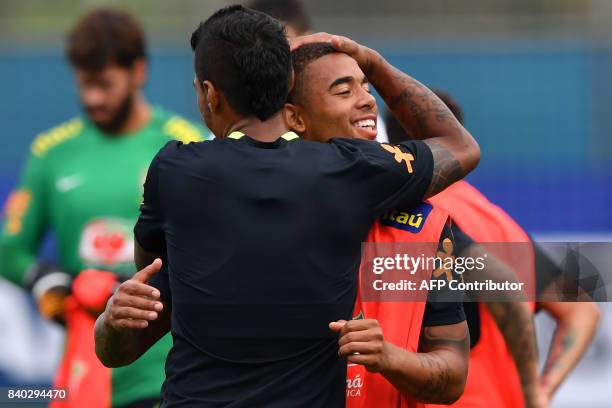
x,y
181,130
57,135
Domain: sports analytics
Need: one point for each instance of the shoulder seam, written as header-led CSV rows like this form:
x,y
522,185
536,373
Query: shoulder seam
x,y
52,138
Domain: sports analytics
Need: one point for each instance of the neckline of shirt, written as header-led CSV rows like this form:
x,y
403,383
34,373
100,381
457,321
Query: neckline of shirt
x,y
280,141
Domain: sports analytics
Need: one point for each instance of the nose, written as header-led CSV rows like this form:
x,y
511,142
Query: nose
x,y
92,96
366,100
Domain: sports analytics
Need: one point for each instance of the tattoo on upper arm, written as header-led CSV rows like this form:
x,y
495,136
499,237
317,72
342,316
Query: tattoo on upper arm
x,y
422,108
423,105
408,97
446,171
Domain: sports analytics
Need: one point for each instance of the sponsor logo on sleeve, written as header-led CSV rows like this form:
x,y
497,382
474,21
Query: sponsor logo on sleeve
x,y
399,155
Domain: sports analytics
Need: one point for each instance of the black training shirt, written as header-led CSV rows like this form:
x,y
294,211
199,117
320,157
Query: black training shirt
x,y
262,248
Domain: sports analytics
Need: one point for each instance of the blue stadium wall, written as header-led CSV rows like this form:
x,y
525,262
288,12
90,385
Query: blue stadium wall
x,y
538,111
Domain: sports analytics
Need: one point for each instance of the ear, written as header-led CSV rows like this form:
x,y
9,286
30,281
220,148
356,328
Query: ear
x,y
212,95
293,118
140,70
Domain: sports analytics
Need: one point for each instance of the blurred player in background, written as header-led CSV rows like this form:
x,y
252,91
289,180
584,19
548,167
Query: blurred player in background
x,y
83,182
297,23
423,357
503,360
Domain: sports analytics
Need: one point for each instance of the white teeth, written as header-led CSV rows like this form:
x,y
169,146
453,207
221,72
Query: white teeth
x,y
366,123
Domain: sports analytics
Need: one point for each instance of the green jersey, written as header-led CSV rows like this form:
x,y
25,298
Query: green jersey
x,y
86,187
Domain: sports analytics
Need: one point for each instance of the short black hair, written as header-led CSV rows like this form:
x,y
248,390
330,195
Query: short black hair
x,y
105,36
290,12
245,54
396,132
301,57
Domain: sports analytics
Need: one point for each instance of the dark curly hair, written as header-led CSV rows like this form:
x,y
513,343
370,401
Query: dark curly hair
x,y
105,36
245,54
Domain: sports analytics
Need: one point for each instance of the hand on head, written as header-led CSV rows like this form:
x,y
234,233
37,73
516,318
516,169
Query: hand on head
x,y
358,52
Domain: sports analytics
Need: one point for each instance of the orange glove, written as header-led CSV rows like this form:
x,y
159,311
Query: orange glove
x,y
51,304
49,286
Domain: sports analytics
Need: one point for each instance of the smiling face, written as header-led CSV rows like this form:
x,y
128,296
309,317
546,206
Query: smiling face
x,y
332,99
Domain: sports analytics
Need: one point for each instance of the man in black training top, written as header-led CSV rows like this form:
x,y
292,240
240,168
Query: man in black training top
x,y
260,250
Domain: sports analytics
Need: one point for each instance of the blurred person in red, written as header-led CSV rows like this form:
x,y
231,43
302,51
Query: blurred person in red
x,y
83,182
503,364
424,359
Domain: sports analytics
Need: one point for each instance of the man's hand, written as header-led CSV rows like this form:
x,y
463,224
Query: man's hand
x,y
362,342
436,375
135,303
536,397
133,321
360,53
